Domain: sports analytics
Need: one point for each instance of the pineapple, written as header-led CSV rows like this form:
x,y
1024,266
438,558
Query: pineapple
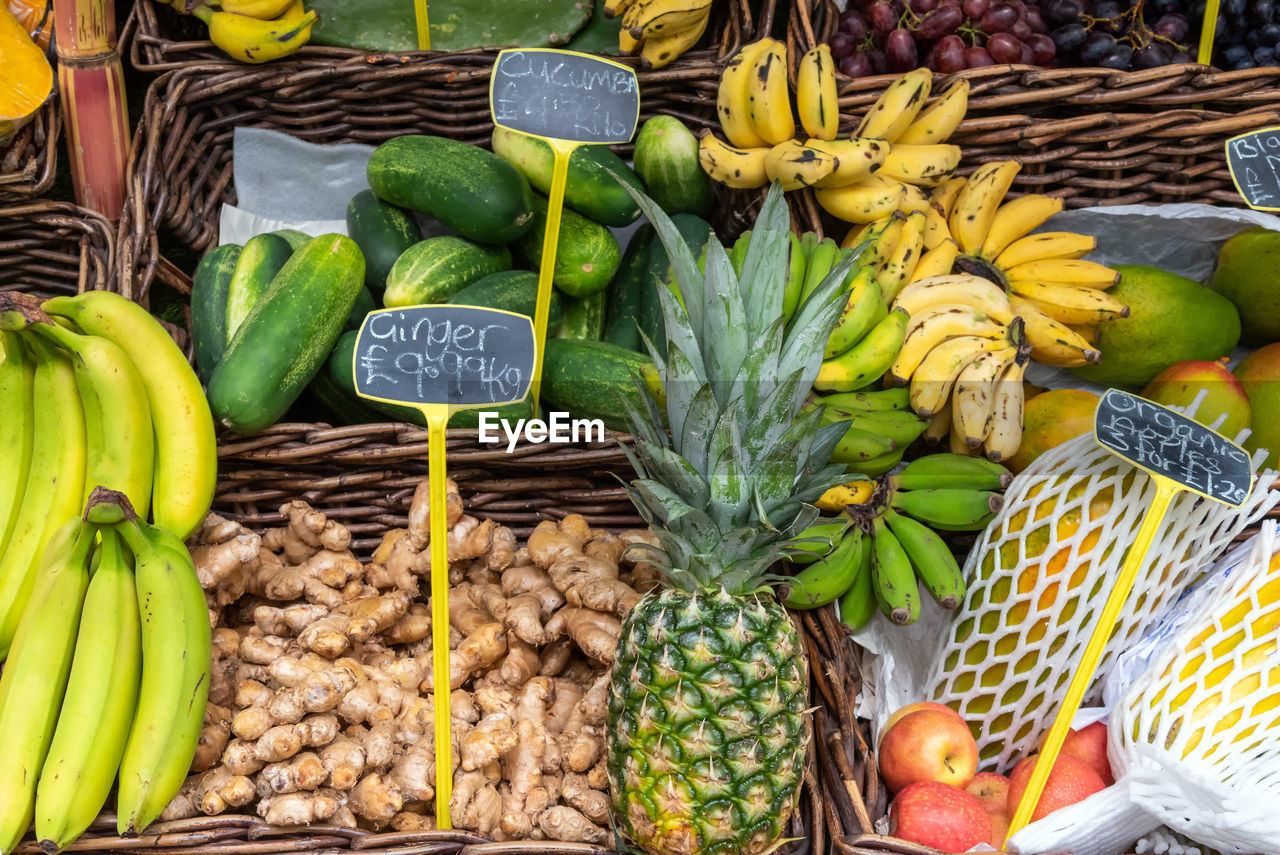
x,y
707,708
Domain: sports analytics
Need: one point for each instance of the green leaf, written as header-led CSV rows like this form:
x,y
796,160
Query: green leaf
x,y
699,424
725,344
765,267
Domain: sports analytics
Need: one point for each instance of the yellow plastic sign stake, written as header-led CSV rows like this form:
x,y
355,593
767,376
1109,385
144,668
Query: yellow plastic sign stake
x,y
441,359
566,99
1206,32
424,28
1180,455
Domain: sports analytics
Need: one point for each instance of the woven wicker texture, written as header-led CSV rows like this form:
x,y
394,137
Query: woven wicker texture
x,y
50,248
28,162
159,39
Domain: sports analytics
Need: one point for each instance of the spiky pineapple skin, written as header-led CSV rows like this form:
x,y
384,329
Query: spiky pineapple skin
x,y
706,727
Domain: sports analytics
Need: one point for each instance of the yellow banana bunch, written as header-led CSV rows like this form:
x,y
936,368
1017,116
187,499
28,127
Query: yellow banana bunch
x,y
659,30
255,40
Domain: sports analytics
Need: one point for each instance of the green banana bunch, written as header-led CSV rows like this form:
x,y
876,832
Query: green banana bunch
x,y
825,580
931,558
17,375
176,664
947,470
818,540
949,508
858,604
880,427
893,577
98,707
35,674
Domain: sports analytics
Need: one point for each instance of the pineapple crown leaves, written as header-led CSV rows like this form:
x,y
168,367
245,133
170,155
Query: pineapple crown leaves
x,y
727,487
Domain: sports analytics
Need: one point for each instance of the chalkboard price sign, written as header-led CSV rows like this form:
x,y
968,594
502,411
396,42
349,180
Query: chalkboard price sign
x,y
1253,160
459,356
1166,443
564,95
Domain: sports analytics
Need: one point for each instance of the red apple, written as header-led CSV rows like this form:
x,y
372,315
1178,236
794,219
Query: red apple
x,y
940,816
1090,745
1181,382
910,708
999,830
1072,780
928,745
990,789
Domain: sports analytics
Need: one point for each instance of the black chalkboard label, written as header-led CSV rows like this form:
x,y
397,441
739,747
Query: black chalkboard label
x,y
564,95
462,356
1166,443
1254,162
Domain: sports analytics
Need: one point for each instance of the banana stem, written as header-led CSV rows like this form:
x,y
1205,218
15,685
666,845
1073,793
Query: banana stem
x,y
111,507
19,311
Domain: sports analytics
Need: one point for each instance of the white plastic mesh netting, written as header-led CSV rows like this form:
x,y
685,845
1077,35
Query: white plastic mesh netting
x,y
1038,577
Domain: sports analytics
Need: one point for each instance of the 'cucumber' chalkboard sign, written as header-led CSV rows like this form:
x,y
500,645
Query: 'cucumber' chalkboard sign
x,y
1253,160
563,95
441,359
1179,454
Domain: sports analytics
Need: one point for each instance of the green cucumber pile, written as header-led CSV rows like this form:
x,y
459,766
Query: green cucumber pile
x,y
274,322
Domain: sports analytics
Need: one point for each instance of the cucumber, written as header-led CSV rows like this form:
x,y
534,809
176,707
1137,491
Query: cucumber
x,y
339,406
587,253
587,379
510,412
339,372
627,291
667,162
288,335
583,317
591,190
514,291
261,259
382,231
209,287
695,232
433,270
295,238
472,191
363,306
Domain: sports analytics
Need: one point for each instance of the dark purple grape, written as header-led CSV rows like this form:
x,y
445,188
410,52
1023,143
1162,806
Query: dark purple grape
x,y
949,54
1027,56
1235,54
1270,33
922,7
900,51
1021,30
999,18
977,57
1063,11
853,25
1261,10
976,8
1234,8
1263,55
1035,20
1252,39
941,21
841,44
1164,7
1043,50
1069,37
1181,57
856,66
1004,48
1153,55
879,64
1096,46
1243,64
1175,28
883,17
1119,58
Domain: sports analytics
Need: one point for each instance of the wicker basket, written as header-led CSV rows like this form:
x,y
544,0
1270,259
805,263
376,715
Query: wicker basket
x,y
159,39
50,248
29,161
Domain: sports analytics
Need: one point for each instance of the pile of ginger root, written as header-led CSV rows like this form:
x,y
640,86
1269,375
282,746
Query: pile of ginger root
x,y
321,701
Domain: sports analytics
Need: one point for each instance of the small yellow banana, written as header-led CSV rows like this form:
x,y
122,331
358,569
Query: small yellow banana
x,y
628,45
797,165
816,94
733,167
1066,271
944,195
931,327
856,492
1016,218
858,158
913,198
901,263
1046,245
936,231
1005,437
932,382
939,425
959,289
922,165
251,40
978,201
1052,343
868,200
937,261
613,8
884,240
663,18
1070,304
895,110
939,121
264,10
658,51
974,399
731,97
768,98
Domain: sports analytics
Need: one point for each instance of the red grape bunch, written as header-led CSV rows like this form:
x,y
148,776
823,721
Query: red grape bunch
x,y
1116,34
894,36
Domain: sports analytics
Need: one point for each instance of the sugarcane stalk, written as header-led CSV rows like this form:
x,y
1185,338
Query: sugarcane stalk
x,y
95,110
